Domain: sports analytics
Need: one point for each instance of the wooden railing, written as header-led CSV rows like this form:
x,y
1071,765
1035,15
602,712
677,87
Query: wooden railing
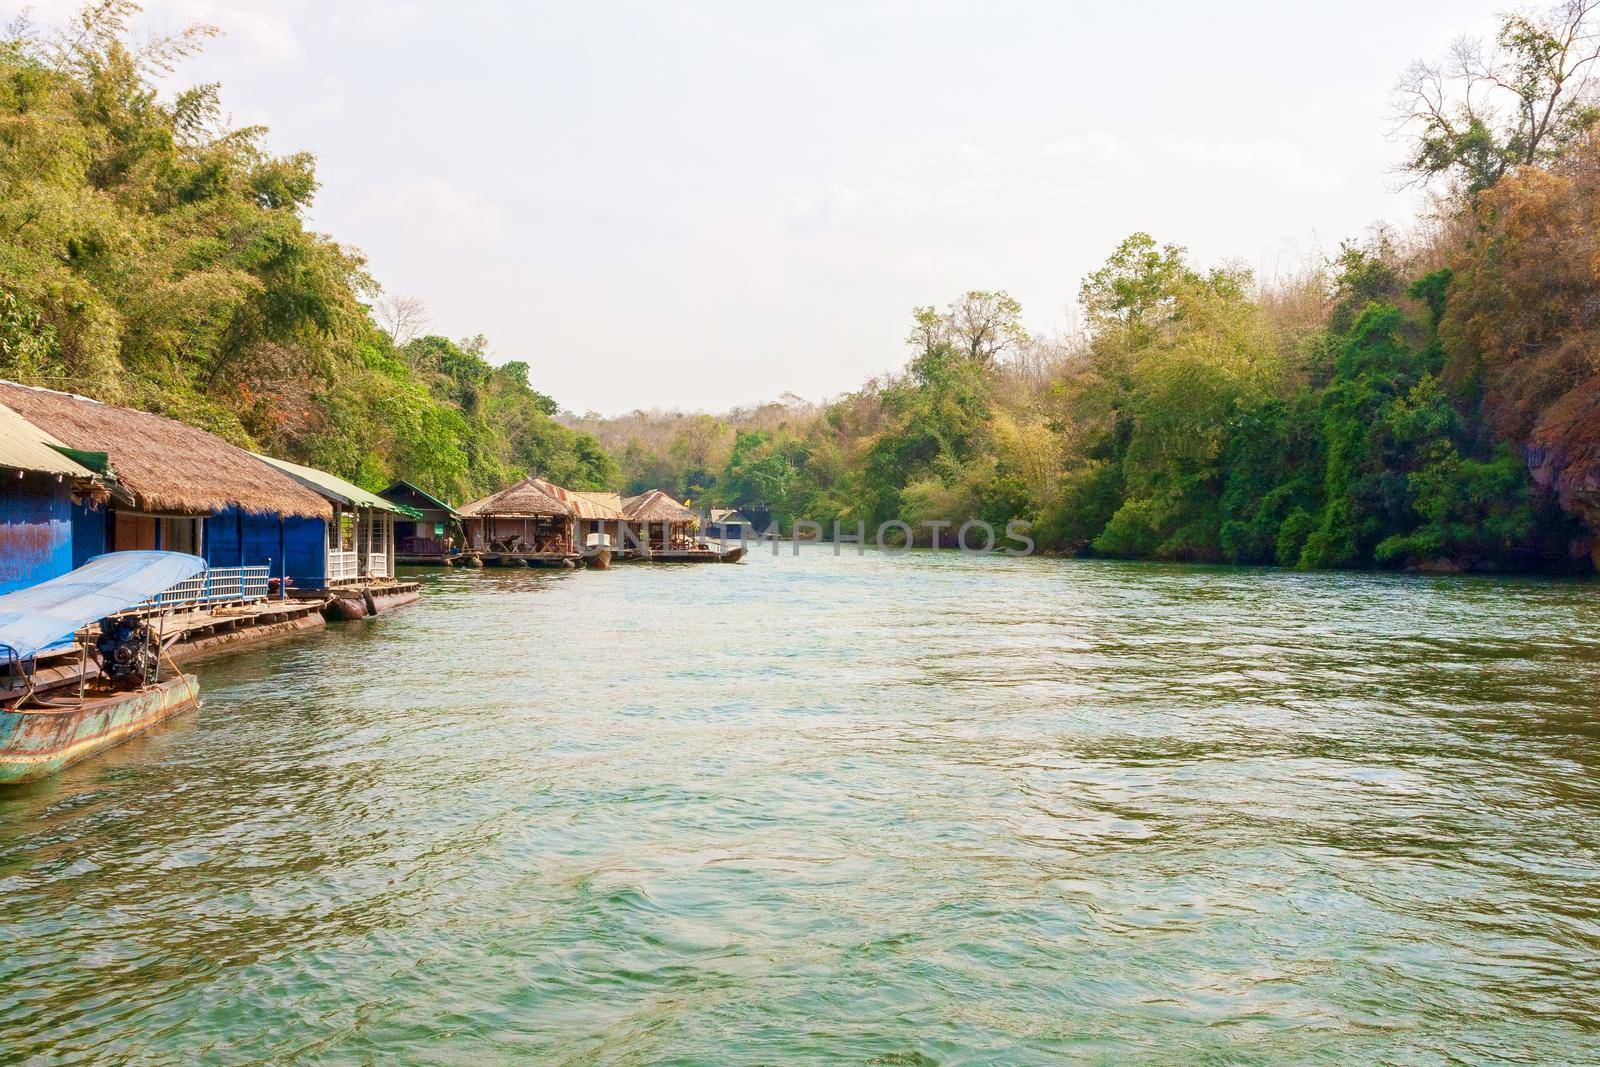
x,y
218,585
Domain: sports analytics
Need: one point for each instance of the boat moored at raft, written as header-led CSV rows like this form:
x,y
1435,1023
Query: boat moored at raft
x,y
49,721
701,551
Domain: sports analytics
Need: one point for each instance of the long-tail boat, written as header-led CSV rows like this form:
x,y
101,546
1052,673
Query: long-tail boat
x,y
83,662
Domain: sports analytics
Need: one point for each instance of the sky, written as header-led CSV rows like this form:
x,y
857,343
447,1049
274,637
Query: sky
x,y
701,205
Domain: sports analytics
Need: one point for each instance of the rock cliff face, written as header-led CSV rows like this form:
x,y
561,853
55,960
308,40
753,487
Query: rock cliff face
x,y
1575,479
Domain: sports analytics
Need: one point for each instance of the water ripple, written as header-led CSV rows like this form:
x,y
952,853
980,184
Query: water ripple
x,y
915,809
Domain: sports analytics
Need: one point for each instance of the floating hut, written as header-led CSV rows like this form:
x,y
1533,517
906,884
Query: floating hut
x,y
360,541
597,514
668,532
597,521
726,524
431,534
359,547
176,488
662,525
525,524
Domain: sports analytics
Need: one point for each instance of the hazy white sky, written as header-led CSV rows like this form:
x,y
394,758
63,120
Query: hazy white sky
x,y
704,204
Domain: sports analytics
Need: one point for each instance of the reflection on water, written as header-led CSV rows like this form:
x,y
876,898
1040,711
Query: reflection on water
x,y
916,809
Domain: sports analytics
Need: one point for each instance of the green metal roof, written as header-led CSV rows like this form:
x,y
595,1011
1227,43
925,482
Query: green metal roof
x,y
99,462
402,484
25,447
331,486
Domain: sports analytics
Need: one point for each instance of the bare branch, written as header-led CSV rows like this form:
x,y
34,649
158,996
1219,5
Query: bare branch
x,y
1516,102
401,317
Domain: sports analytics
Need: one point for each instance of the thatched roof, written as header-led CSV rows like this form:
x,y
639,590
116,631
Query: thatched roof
x,y
165,465
585,505
526,499
655,506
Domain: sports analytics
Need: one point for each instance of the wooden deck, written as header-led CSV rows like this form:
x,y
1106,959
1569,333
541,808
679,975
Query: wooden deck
x,y
246,624
202,633
420,559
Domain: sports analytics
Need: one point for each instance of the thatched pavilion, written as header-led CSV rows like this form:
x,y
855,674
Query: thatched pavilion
x,y
524,521
662,524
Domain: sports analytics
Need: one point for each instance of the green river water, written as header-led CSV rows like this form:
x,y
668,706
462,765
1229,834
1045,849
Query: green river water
x,y
885,809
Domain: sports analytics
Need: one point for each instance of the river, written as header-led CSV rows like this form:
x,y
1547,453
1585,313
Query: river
x,y
908,809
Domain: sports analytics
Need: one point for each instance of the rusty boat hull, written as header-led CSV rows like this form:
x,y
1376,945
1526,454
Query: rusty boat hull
x,y
40,742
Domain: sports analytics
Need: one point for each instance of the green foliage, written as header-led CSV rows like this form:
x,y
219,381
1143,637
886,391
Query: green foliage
x,y
1273,459
28,346
766,469
1087,498
1186,428
154,257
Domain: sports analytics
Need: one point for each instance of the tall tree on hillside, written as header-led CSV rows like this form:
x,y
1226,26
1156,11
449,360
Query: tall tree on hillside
x,y
1134,291
980,324
1520,100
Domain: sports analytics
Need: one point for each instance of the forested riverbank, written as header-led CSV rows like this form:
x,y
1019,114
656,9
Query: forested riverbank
x,y
1420,398
152,255
1426,398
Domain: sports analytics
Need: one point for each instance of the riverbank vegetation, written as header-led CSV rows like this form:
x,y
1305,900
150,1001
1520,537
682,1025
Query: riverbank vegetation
x,y
1424,399
1428,398
153,256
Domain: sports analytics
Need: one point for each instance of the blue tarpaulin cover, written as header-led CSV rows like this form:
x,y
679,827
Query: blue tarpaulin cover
x,y
33,619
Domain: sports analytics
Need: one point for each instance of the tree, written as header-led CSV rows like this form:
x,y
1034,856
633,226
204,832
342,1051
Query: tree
x,y
1134,290
980,324
1521,332
984,324
401,317
1487,108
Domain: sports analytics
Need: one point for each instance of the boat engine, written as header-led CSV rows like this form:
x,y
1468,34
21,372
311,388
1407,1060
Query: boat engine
x,y
127,654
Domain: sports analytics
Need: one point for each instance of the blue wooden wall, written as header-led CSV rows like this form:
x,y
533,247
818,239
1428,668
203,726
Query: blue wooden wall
x,y
223,545
35,530
262,538
89,532
305,543
44,534
246,539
